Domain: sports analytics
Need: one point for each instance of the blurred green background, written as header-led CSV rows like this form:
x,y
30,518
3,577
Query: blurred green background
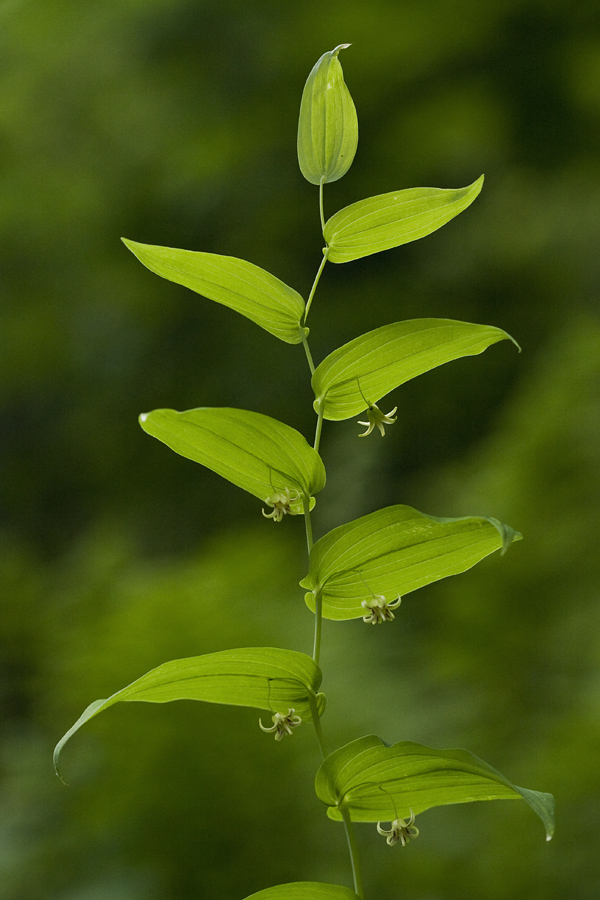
x,y
174,122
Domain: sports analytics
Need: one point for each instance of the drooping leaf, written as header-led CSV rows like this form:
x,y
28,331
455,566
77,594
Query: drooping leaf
x,y
262,677
364,370
389,220
392,552
257,453
376,782
328,126
235,283
305,890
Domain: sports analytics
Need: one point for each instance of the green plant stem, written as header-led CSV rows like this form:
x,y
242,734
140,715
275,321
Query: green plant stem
x,y
317,723
308,524
318,624
315,283
318,601
311,364
321,183
318,431
354,858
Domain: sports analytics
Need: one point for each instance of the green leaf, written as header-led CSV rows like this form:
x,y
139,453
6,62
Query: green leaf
x,y
328,127
375,782
262,677
235,283
305,890
389,220
364,370
394,551
255,452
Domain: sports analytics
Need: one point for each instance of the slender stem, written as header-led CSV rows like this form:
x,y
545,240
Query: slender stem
x,y
311,364
318,600
354,858
317,723
321,183
318,623
318,431
315,283
308,524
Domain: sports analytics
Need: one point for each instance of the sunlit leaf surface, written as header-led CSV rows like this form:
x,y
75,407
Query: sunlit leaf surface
x,y
392,552
376,782
263,677
364,370
305,890
389,220
257,453
241,285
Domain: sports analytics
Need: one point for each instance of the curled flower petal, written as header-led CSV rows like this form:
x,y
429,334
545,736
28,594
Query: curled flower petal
x,y
281,502
378,610
282,725
377,419
401,830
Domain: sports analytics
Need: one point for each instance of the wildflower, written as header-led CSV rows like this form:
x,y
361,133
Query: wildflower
x,y
401,830
281,502
379,610
282,725
377,419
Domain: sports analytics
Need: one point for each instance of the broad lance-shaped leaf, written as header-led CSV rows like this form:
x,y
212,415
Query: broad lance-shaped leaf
x,y
262,677
257,453
305,890
364,370
392,552
375,782
389,220
235,283
327,127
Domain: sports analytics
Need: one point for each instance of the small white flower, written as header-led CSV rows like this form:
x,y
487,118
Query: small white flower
x,y
282,725
378,610
281,502
377,419
401,830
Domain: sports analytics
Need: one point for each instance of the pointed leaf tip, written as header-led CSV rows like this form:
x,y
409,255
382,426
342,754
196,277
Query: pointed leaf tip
x,y
509,535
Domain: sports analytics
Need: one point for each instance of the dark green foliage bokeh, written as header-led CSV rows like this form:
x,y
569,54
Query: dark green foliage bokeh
x,y
174,122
